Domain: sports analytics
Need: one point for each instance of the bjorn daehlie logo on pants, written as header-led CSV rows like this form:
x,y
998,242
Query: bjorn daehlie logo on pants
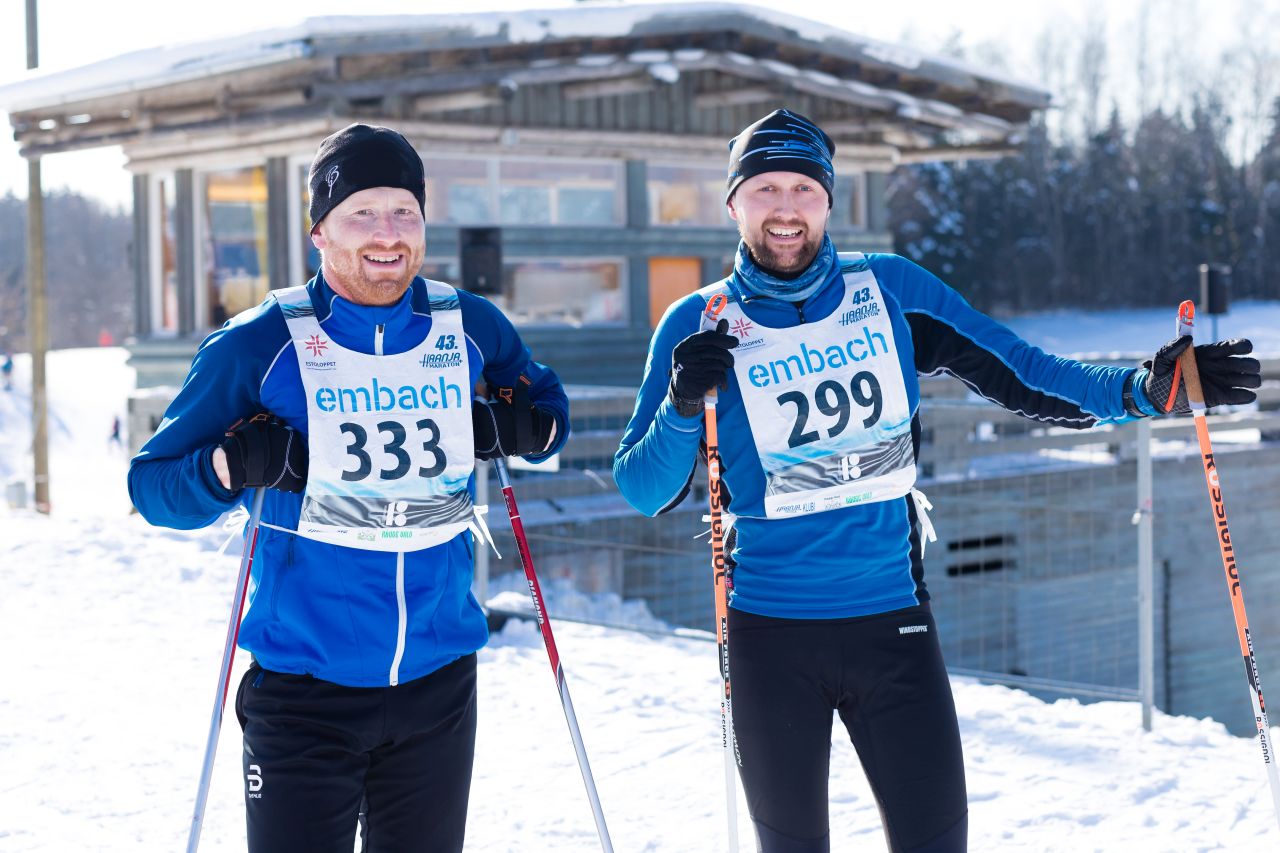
x,y
254,780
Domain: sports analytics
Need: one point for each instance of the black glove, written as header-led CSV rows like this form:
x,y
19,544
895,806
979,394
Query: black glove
x,y
1225,375
699,363
265,451
509,425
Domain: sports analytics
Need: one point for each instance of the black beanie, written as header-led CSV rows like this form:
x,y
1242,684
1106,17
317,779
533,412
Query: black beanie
x,y
360,157
782,141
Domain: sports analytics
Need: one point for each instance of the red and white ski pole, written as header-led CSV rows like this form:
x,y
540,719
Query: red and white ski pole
x,y
719,575
224,676
1195,397
540,610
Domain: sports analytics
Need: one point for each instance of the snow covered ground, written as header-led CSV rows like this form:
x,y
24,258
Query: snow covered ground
x,y
111,632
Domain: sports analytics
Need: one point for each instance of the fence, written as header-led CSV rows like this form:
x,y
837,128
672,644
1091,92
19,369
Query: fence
x,y
1035,575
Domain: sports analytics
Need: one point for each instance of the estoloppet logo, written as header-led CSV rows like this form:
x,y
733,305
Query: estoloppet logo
x,y
741,328
254,778
316,344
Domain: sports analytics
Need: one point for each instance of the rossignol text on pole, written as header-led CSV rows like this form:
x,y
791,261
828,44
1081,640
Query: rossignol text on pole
x,y
224,676
1195,398
540,610
720,580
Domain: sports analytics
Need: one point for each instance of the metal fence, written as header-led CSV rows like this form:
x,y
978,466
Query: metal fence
x,y
1034,577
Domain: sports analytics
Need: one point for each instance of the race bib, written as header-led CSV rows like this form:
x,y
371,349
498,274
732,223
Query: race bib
x,y
390,436
826,401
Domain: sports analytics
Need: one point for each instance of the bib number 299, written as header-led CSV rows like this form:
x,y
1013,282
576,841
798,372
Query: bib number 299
x,y
393,447
832,400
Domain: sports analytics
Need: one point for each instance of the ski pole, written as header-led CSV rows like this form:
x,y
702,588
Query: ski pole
x,y
224,676
1195,397
719,575
540,610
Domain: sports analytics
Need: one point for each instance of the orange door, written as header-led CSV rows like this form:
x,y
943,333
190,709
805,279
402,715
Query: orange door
x,y
670,279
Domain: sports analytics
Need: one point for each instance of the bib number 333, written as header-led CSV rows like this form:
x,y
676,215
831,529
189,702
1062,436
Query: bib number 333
x,y
392,437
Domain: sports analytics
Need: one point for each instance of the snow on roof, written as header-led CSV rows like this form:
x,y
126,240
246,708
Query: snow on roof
x,y
169,64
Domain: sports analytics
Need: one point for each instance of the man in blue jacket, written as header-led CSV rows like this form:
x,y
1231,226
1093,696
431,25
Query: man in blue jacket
x,y
362,626
817,356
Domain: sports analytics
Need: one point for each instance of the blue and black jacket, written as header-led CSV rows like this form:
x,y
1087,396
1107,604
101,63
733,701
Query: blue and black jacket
x,y
863,559
345,615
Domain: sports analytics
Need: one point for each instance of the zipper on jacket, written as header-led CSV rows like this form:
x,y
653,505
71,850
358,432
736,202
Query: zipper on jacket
x,y
403,622
377,339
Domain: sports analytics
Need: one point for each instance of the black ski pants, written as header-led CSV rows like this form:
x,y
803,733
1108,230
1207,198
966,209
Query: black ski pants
x,y
320,758
884,676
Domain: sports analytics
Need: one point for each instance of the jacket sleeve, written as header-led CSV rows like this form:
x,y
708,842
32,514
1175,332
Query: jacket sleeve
x,y
506,359
950,336
171,480
654,465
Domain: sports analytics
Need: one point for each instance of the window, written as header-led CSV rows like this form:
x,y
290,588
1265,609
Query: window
x,y
235,241
473,191
458,191
687,195
577,292
164,278
847,209
560,192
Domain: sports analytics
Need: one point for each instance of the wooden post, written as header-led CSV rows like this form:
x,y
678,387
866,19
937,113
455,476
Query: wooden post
x,y
37,311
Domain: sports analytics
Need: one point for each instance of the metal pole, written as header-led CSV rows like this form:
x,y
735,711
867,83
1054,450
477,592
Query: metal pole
x,y
1146,575
224,674
37,311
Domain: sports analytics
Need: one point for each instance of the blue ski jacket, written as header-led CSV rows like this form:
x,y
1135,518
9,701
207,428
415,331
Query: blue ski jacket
x,y
861,559
353,617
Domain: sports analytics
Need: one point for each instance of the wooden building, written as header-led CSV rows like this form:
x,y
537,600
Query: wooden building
x,y
595,138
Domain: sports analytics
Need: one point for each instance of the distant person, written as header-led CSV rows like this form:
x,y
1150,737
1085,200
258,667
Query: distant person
x,y
6,368
350,399
817,356
115,431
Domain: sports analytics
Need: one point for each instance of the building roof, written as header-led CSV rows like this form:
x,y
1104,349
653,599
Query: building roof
x,y
692,70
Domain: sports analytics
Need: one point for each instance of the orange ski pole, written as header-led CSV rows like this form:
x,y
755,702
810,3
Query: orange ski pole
x,y
1195,397
720,579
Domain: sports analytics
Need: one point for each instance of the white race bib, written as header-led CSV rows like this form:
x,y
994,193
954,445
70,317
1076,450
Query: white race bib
x,y
826,401
390,436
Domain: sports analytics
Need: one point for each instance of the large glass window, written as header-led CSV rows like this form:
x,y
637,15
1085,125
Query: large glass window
x,y
560,192
572,292
687,195
473,191
847,206
235,241
577,292
164,283
458,191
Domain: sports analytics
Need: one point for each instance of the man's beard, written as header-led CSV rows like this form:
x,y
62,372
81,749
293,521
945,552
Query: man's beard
x,y
774,264
348,269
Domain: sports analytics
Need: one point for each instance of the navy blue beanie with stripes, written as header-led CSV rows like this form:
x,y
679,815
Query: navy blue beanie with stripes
x,y
782,141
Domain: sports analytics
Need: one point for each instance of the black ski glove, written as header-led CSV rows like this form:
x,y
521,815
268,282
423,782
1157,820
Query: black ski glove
x,y
509,425
265,451
699,363
1226,376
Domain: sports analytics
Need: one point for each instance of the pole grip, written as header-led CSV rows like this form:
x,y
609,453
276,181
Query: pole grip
x,y
1191,375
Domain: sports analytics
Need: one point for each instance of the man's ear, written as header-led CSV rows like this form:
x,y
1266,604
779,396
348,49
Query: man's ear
x,y
317,237
733,213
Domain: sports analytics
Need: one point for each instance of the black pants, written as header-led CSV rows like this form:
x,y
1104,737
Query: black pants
x,y
884,675
317,755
